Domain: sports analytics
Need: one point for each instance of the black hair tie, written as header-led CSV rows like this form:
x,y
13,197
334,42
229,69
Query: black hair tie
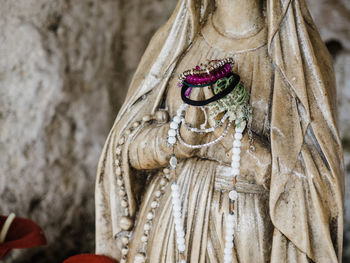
x,y
216,97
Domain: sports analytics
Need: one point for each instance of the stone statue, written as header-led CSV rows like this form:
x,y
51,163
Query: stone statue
x,y
290,188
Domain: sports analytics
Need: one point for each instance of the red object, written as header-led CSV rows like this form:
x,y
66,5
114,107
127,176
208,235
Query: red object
x,y
89,258
23,233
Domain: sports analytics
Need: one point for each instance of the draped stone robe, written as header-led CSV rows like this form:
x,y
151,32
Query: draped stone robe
x,y
295,212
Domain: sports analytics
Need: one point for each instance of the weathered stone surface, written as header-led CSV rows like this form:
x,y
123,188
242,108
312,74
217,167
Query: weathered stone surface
x,y
342,67
64,70
333,20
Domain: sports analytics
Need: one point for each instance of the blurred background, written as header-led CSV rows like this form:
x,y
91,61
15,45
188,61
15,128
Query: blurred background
x,y
65,67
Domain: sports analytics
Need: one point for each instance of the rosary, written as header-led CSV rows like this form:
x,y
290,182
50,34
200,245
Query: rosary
x,y
230,100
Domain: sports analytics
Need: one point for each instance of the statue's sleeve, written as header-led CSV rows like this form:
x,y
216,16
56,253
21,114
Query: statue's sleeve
x,y
308,211
149,149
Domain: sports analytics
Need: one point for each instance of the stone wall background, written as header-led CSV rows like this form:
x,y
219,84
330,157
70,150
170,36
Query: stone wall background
x,y
64,69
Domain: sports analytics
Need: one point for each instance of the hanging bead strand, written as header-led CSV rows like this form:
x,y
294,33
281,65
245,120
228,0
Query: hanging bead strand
x,y
141,256
180,233
230,219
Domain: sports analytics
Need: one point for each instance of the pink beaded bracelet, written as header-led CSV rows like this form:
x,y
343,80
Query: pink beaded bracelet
x,y
209,74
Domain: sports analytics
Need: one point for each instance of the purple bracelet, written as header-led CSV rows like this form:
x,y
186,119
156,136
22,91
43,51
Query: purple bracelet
x,y
210,73
212,77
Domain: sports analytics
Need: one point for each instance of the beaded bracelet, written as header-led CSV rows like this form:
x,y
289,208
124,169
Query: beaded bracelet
x,y
198,76
220,95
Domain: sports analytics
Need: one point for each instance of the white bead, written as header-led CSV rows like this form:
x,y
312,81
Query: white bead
x,y
236,158
230,224
120,182
236,151
233,196
235,171
180,241
177,214
180,235
125,240
173,161
238,136
144,238
227,251
147,227
118,150
126,223
135,124
171,140
178,228
177,210
150,216
176,206
174,125
146,118
237,143
176,201
228,258
228,238
174,193
124,203
175,196
154,204
124,251
177,221
121,141
177,119
229,244
229,231
231,217
126,211
235,165
182,248
140,258
158,193
163,181
174,187
171,133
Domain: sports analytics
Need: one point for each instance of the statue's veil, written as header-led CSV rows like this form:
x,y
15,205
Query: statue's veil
x,y
306,205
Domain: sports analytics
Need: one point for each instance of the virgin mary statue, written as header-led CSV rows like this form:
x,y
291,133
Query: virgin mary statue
x,y
291,188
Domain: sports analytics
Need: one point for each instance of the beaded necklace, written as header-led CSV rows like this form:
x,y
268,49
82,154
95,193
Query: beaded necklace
x,y
235,116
